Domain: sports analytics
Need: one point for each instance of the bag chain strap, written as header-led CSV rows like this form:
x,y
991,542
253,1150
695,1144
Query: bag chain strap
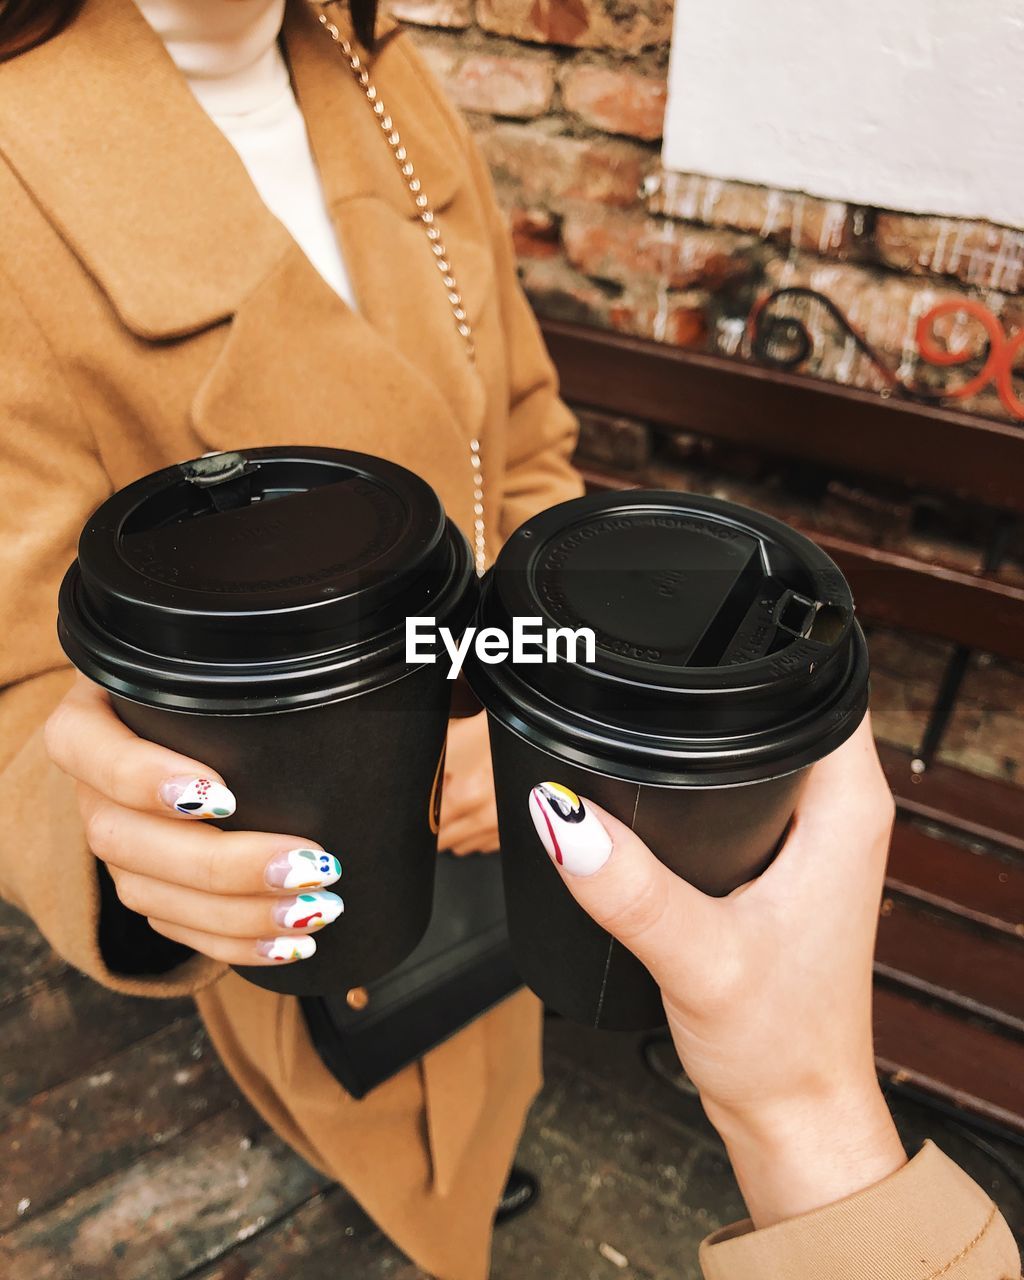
x,y
437,247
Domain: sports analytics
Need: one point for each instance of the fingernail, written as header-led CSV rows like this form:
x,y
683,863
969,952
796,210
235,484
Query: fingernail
x,y
301,947
308,910
302,869
571,834
197,797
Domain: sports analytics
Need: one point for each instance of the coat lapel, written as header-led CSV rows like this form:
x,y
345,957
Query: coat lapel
x,y
393,378
298,367
159,209
105,133
393,272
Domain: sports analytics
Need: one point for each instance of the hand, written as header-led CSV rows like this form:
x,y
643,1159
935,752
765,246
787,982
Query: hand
x,y
242,897
469,815
768,991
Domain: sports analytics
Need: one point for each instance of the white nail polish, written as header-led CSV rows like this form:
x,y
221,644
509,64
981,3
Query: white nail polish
x,y
571,834
309,910
300,947
303,869
198,797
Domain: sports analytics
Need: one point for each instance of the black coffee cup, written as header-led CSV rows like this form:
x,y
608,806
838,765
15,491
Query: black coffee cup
x,y
727,660
249,609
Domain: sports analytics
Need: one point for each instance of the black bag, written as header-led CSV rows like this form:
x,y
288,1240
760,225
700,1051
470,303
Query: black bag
x,y
461,968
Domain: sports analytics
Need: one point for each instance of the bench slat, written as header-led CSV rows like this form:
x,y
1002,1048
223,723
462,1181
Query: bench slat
x,y
965,1063
790,414
978,806
972,610
941,957
978,886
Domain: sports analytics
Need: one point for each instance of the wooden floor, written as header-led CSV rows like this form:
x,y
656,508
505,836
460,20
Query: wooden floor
x,y
128,1155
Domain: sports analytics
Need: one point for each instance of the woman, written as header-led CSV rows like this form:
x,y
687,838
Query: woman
x,y
768,995
154,308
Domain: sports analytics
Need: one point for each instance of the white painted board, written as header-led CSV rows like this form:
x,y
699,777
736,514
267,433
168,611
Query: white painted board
x,y
915,106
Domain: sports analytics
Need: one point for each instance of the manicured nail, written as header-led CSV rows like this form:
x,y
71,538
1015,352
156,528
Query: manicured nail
x,y
197,797
572,835
301,947
302,869
308,910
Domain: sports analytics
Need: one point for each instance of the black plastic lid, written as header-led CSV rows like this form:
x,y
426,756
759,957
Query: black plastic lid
x,y
260,580
726,645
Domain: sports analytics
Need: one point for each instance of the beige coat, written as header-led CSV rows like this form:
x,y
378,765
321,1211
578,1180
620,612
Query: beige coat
x,y
152,309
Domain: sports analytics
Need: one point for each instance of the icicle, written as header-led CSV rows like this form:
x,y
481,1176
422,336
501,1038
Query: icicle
x,y
833,224
956,253
660,324
909,354
729,332
844,365
772,209
712,192
939,250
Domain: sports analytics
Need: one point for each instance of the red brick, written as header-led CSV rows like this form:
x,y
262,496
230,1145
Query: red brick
x,y
433,13
534,233
537,169
439,55
517,86
1011,313
586,24
977,253
687,326
616,101
623,248
679,323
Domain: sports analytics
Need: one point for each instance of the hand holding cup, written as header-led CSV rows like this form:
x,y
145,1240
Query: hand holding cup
x,y
248,611
767,990
242,897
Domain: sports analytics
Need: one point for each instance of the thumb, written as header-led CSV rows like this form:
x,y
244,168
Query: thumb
x,y
618,881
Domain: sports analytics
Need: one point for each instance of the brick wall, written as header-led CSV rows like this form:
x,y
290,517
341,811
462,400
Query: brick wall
x,y
567,99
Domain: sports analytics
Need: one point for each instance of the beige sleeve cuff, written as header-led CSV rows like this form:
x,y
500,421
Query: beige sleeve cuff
x,y
928,1219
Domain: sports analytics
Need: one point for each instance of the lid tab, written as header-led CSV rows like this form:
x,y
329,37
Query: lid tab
x,y
227,477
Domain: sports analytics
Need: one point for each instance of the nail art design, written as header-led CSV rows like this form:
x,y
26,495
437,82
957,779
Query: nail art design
x,y
308,910
198,797
571,834
300,947
302,869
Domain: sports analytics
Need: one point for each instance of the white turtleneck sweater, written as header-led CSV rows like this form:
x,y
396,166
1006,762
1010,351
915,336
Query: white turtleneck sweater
x,y
228,52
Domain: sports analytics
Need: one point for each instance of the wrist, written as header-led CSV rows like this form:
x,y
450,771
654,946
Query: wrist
x,y
796,1155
